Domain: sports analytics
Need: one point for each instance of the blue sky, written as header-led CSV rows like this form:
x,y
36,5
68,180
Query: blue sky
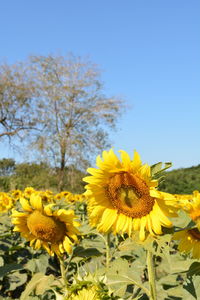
x,y
149,54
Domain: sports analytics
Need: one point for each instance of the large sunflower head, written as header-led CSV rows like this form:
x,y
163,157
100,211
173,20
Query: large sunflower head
x,y
123,196
45,226
189,241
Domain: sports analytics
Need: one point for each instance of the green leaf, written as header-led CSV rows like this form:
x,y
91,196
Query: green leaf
x,y
1,261
81,252
44,284
121,274
39,264
10,267
16,279
194,269
118,284
158,168
190,288
58,296
32,285
127,245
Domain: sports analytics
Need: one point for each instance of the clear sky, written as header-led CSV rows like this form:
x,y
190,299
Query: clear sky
x,y
149,53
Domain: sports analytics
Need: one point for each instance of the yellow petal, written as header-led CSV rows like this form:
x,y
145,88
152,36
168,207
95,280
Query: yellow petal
x,y
136,224
37,244
155,223
125,159
25,204
142,228
47,209
18,214
67,246
136,162
108,218
36,202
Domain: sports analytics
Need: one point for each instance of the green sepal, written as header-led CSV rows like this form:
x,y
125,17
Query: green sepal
x,y
156,169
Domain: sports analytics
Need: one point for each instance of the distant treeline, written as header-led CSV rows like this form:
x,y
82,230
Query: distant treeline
x,y
39,176
181,181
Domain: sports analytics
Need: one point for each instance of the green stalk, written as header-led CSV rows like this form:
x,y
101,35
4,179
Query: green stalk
x,y
63,271
107,251
151,275
107,244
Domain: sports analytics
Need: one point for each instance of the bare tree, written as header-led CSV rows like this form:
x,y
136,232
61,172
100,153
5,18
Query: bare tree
x,y
59,101
16,116
73,111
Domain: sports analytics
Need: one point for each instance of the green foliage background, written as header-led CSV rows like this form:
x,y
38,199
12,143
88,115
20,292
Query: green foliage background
x,y
41,176
31,274
181,181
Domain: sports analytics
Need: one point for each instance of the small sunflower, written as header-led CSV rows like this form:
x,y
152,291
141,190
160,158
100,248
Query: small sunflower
x,y
58,196
46,196
6,202
65,193
123,197
16,194
183,200
90,293
192,207
189,241
72,198
45,226
29,191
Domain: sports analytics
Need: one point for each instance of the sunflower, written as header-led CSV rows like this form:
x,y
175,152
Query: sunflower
x,y
192,207
46,196
6,202
58,196
45,226
90,293
189,241
16,194
123,197
73,198
29,191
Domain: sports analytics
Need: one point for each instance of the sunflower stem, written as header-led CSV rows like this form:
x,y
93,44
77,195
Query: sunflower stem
x,y
151,275
107,244
63,271
107,251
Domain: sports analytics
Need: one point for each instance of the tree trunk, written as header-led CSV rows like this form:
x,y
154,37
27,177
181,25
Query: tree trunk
x,y
62,170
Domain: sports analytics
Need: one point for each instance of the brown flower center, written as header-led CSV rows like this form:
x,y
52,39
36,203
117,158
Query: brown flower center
x,y
194,233
46,228
130,195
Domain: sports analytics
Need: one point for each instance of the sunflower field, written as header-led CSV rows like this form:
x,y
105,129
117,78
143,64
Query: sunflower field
x,y
122,238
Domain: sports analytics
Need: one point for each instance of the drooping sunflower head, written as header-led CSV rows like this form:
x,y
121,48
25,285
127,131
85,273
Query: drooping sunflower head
x,y
123,196
87,287
189,241
45,226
